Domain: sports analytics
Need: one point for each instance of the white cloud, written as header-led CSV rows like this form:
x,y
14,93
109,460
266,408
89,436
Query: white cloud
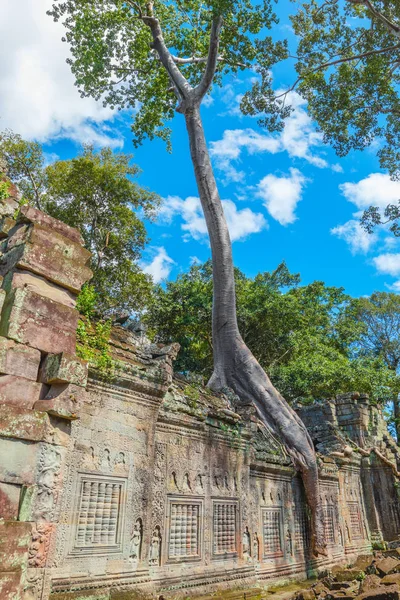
x,y
297,139
394,287
375,190
241,223
38,98
388,264
355,236
282,194
161,265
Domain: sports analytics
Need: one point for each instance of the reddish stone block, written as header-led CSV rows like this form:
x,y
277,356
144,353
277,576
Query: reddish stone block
x,y
64,368
6,224
15,539
30,425
9,501
39,285
18,359
29,318
21,463
11,585
28,214
47,253
63,400
19,391
8,207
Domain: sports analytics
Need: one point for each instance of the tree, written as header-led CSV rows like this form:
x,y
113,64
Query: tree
x,y
306,337
380,316
160,57
96,193
347,64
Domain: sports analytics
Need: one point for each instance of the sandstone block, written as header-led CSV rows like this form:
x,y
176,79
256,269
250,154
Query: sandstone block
x,y
11,585
30,425
39,285
49,254
20,466
391,579
381,593
29,214
348,574
8,207
9,501
305,595
64,368
63,400
15,538
6,224
19,391
17,359
370,583
387,565
29,318
362,562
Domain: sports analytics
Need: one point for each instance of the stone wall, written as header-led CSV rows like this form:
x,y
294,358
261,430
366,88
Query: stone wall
x,y
146,483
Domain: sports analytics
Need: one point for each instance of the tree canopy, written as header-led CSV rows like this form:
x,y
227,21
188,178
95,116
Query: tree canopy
x,y
311,339
95,192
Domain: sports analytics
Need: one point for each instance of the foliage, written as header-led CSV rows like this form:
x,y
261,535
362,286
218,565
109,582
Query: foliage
x,y
306,337
113,55
379,316
95,192
93,345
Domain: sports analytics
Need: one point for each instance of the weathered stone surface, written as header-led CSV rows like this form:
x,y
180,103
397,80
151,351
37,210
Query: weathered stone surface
x,y
381,593
64,368
30,425
15,538
31,319
29,214
11,585
39,285
63,400
9,501
19,391
363,562
305,595
390,579
348,574
6,224
49,254
387,565
370,583
18,359
20,466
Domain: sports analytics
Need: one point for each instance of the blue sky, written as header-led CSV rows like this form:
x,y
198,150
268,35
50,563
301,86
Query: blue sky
x,y
286,196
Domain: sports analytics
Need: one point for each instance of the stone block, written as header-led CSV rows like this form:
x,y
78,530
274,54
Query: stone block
x,y
18,359
63,400
348,574
15,538
370,582
9,501
29,318
6,224
64,368
362,562
49,254
29,214
387,565
20,466
391,579
390,592
39,285
11,585
19,391
30,425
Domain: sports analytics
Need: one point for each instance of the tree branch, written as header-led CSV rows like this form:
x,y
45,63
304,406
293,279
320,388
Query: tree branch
x,y
392,27
212,59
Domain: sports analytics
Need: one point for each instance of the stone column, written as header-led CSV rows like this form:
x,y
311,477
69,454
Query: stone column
x,y
43,266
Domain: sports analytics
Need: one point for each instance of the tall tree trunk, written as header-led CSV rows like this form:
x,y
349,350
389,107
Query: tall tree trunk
x,y
234,365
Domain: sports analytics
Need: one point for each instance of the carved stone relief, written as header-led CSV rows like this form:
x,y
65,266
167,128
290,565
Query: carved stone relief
x,y
272,531
225,519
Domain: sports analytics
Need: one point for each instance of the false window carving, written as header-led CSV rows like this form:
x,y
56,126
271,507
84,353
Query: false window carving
x,y
329,524
272,531
355,520
184,529
225,528
100,513
302,535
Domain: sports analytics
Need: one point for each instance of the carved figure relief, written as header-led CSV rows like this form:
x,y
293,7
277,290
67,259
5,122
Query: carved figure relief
x,y
37,553
155,548
49,469
136,542
246,545
256,547
289,543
